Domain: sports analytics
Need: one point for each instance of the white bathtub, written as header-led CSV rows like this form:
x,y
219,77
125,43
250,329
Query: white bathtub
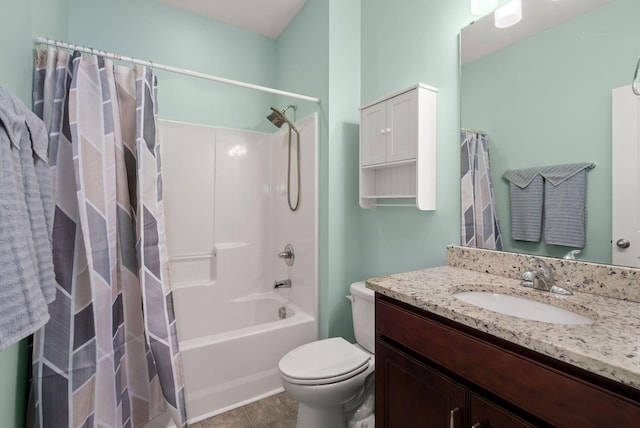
x,y
237,362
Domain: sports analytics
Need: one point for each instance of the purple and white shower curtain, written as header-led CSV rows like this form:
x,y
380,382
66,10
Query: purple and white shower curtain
x,y
109,356
480,227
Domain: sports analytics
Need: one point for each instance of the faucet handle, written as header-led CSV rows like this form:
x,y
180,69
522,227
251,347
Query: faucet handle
x,y
528,275
543,267
527,278
288,255
543,278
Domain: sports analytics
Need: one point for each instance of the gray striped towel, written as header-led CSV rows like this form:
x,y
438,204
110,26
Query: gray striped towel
x,y
564,203
27,281
525,192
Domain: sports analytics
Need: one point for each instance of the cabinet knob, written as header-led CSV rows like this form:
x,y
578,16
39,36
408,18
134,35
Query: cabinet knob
x,y
382,131
388,130
476,425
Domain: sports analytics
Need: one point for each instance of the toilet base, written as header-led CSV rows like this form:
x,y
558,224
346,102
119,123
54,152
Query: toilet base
x,y
313,417
326,405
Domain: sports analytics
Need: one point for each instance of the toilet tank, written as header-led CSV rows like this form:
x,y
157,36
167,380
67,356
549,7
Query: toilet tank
x,y
362,309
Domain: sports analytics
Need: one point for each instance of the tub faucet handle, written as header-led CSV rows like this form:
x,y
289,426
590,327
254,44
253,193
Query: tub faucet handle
x,y
288,255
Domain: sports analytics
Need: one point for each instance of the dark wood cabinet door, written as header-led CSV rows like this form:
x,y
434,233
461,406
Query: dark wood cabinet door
x,y
485,414
411,395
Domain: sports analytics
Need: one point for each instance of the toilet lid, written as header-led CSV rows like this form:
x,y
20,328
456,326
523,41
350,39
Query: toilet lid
x,y
324,361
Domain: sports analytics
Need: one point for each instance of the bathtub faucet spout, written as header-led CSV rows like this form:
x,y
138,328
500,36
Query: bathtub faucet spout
x,y
285,283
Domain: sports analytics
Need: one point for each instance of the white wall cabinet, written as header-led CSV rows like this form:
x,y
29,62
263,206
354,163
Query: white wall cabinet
x,y
397,149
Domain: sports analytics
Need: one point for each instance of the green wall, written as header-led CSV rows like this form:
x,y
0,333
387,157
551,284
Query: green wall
x,y
150,30
23,19
546,100
404,43
343,247
319,54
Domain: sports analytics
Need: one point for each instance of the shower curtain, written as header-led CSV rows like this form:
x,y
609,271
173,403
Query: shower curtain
x,y
109,355
480,227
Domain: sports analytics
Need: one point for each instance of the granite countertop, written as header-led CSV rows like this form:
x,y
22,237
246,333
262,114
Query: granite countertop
x,y
609,347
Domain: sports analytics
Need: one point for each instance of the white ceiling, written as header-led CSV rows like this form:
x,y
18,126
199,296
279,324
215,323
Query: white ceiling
x,y
266,17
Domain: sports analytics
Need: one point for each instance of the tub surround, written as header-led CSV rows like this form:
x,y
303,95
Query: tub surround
x,y
223,241
609,347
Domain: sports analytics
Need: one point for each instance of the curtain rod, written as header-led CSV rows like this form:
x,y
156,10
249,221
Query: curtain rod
x,y
477,131
46,41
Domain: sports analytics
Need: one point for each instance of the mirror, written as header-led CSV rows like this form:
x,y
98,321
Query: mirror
x,y
541,91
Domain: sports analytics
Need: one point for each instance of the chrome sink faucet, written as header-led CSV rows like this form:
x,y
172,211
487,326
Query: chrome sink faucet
x,y
542,278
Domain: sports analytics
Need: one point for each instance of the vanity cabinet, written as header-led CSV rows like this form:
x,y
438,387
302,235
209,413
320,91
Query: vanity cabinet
x,y
397,149
412,394
407,383
434,372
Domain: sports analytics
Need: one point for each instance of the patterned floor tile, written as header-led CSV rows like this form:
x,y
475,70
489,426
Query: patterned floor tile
x,y
277,411
233,419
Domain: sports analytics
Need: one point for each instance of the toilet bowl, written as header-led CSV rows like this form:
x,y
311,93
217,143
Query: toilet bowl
x,y
327,377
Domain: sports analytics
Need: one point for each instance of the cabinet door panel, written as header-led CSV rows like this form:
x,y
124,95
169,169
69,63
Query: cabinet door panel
x,y
374,135
410,394
402,126
489,415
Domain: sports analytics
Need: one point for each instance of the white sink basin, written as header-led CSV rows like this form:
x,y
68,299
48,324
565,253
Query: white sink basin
x,y
522,308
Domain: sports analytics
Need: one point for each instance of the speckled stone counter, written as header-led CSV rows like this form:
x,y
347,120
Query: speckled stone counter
x,y
609,347
594,278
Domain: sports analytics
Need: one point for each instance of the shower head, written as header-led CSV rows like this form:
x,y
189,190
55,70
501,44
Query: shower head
x,y
278,118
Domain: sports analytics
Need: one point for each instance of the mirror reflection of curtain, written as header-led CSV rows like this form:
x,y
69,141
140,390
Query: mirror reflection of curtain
x,y
480,227
109,355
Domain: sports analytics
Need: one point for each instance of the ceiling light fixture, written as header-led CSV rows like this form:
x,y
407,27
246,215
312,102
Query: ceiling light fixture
x,y
482,7
509,14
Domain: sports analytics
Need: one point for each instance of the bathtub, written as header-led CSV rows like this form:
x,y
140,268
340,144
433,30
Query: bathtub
x,y
236,362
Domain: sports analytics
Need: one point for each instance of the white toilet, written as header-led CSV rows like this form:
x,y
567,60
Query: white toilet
x,y
332,379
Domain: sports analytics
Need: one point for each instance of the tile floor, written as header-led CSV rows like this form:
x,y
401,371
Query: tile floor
x,y
277,411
